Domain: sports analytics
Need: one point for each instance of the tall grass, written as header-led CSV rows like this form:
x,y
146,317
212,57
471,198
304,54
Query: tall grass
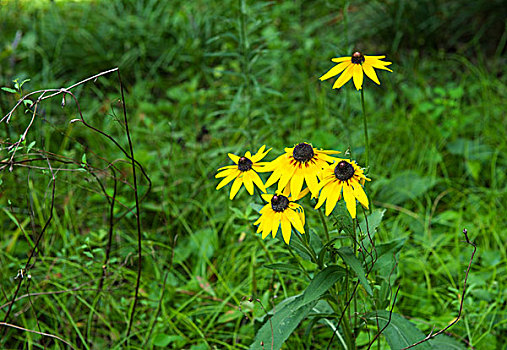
x,y
209,77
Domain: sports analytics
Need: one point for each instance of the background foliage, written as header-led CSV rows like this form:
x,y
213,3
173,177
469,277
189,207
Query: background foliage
x,y
209,77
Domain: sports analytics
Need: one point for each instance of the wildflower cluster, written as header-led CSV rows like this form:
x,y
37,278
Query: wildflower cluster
x,y
327,178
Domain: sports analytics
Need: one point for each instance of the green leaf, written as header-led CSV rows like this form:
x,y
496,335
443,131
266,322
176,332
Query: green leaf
x,y
374,220
322,282
399,332
282,267
163,340
284,322
12,91
445,342
350,259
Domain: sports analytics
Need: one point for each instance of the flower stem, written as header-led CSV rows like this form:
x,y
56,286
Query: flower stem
x,y
323,220
367,144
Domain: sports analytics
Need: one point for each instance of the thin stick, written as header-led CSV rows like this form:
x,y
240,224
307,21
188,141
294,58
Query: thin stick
x,y
40,333
138,210
433,335
366,142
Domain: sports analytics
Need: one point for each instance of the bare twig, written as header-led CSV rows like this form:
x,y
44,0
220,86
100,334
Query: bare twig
x,y
432,335
4,324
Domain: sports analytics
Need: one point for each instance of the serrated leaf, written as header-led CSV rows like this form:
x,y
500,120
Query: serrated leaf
x,y
399,332
322,282
284,322
350,259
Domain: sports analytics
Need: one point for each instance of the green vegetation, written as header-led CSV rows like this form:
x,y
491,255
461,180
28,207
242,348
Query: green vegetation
x,y
205,78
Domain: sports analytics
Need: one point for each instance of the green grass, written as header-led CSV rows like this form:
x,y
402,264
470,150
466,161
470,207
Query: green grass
x,y
203,80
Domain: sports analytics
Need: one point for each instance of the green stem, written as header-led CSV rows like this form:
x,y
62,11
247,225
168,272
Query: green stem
x,y
354,222
367,144
323,219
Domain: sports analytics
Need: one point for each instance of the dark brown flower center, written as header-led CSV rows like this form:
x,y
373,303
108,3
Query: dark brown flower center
x,y
357,58
244,164
279,203
303,152
344,171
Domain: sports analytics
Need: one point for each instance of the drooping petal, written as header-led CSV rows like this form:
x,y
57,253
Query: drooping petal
x,y
344,77
235,186
312,183
335,70
322,197
334,189
360,195
296,183
287,173
370,72
302,194
257,181
294,220
247,181
275,224
350,200
228,179
286,229
358,76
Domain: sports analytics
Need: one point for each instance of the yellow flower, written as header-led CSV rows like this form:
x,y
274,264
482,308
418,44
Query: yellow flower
x,y
298,164
244,172
353,67
281,211
345,177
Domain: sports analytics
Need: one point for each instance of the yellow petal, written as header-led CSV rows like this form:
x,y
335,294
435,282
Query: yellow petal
x,y
334,190
225,172
370,72
296,183
302,194
286,229
358,76
295,220
247,180
335,70
350,200
235,186
227,167
322,197
267,197
257,181
366,58
287,173
360,195
228,179
344,77
274,224
342,59
233,157
312,183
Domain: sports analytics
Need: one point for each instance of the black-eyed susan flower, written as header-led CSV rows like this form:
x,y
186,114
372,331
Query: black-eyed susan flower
x,y
343,179
301,163
244,172
353,67
281,210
